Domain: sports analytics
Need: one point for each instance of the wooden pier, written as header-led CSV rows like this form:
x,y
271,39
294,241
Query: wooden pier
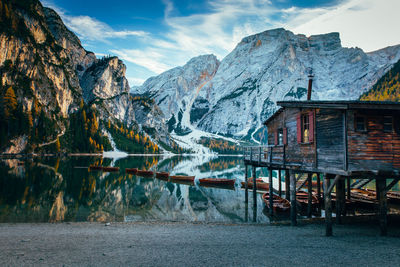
x,y
339,140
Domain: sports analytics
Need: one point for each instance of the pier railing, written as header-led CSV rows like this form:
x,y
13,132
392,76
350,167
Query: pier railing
x,y
265,154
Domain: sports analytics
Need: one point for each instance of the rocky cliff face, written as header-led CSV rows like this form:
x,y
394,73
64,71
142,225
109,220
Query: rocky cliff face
x,y
176,90
268,67
48,68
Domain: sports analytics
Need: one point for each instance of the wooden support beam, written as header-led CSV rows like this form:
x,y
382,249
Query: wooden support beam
x,y
309,194
302,184
280,183
394,182
287,184
330,188
293,204
318,187
246,184
271,192
254,187
381,191
348,187
339,200
328,206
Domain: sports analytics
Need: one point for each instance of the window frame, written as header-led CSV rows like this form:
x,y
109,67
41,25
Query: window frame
x,y
305,121
391,124
365,128
280,137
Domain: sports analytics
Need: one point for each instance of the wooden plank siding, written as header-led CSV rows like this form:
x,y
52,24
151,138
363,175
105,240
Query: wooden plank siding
x,y
337,147
374,149
297,154
330,145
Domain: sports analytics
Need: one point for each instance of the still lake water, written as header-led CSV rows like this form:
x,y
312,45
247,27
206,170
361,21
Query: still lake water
x,y
63,189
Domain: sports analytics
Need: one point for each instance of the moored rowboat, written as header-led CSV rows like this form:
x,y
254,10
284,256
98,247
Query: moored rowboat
x,y
95,168
279,204
110,169
182,178
260,185
162,175
217,181
131,170
302,199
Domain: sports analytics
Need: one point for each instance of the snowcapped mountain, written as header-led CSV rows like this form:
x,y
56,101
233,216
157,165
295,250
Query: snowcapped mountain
x,y
233,97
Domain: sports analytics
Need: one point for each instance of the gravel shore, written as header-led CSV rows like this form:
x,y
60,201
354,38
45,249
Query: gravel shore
x,y
190,244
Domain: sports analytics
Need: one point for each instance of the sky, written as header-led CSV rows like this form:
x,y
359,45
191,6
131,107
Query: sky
x,y
154,36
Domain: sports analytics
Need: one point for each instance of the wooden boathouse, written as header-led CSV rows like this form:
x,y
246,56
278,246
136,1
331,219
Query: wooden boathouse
x,y
339,140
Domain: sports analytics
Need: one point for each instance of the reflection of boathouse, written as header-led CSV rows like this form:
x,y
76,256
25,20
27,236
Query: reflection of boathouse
x,y
341,139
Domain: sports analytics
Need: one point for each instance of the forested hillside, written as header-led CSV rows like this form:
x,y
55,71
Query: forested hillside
x,y
387,88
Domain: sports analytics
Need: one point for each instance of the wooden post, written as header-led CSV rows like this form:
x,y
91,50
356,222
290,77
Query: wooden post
x,y
381,192
293,211
280,183
309,194
246,184
287,184
348,187
271,192
318,187
328,206
339,200
254,187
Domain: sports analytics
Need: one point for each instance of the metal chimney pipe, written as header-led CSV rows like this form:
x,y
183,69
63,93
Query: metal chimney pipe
x,y
310,77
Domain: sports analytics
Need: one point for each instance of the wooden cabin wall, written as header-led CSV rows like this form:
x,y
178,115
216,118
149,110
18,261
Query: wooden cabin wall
x,y
374,150
302,154
330,141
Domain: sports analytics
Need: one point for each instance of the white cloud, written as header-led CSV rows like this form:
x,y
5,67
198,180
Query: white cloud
x,y
91,29
368,24
149,58
135,81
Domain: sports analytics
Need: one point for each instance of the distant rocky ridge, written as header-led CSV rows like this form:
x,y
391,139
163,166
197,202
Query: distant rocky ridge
x,y
47,66
240,92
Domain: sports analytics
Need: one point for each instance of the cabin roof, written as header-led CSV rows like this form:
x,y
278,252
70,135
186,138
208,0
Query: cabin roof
x,y
342,104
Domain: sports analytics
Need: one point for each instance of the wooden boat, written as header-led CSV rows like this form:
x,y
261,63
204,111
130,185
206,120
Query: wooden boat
x,y
182,178
144,173
95,168
279,204
363,198
260,184
217,181
110,169
162,175
393,196
302,199
131,170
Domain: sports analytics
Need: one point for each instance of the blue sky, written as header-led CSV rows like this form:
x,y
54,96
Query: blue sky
x,y
154,36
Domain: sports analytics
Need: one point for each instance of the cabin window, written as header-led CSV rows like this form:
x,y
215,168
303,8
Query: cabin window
x,y
361,124
387,124
305,128
280,137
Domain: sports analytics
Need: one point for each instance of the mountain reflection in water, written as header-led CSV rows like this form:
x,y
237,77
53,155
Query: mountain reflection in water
x,y
55,190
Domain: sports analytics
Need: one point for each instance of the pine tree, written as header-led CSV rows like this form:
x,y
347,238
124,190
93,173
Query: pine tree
x,y
10,103
58,145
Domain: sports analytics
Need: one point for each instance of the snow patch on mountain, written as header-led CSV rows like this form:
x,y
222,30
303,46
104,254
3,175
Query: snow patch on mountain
x,y
234,97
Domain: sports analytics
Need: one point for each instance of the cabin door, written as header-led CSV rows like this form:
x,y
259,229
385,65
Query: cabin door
x,y
329,134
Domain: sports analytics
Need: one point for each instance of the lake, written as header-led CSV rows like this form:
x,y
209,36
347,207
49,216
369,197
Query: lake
x,y
64,190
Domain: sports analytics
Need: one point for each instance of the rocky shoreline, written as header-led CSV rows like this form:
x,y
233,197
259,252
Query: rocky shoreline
x,y
194,244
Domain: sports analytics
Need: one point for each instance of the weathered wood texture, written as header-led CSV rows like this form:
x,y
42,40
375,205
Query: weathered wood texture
x,y
337,147
330,146
374,149
293,152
